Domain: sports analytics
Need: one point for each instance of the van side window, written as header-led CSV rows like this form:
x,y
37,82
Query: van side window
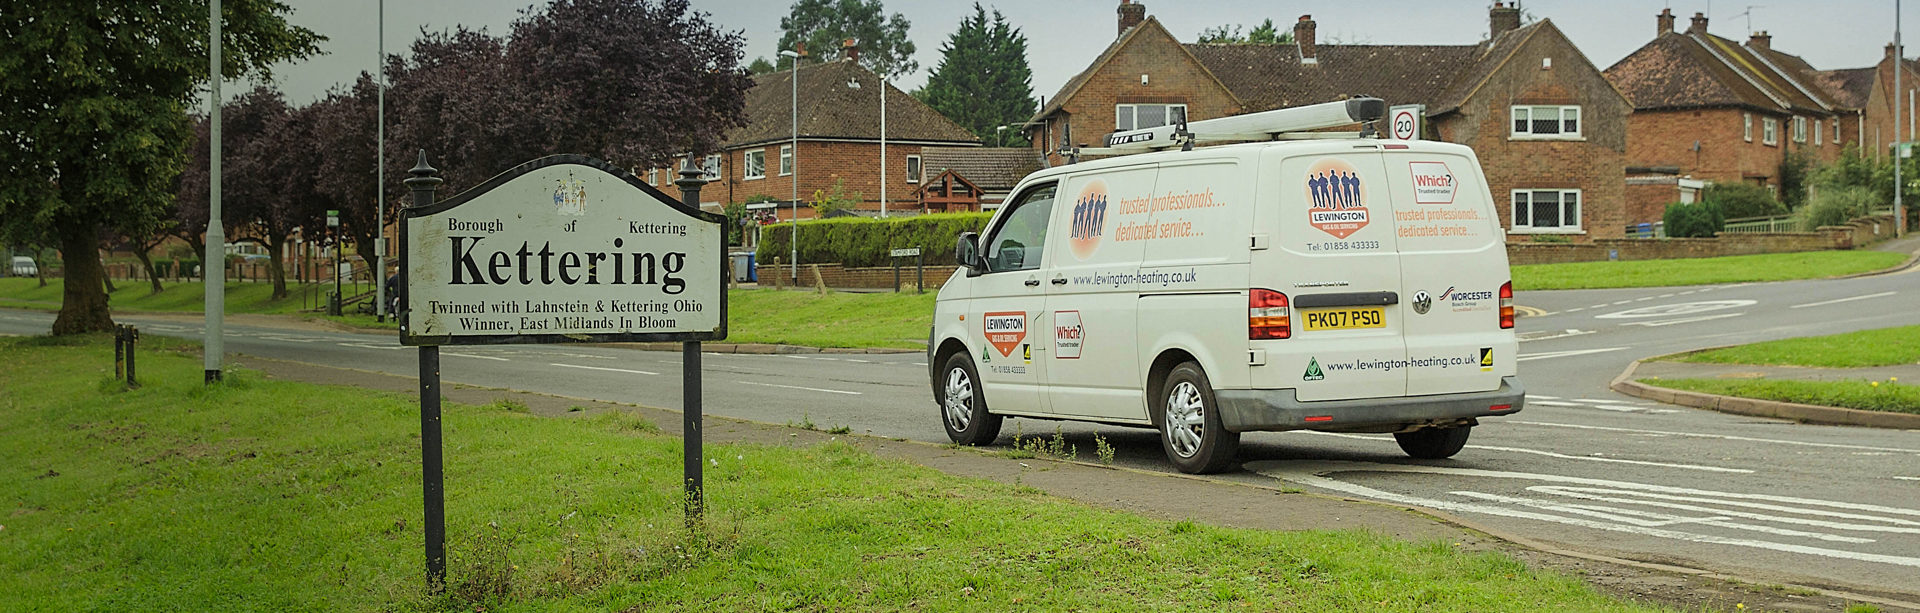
x,y
1022,235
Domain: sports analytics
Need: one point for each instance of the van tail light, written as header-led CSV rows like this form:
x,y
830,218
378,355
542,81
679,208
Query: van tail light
x,y
1267,315
1506,305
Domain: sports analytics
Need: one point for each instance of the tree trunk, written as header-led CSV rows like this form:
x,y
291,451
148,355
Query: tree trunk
x,y
276,267
83,305
106,280
40,271
153,274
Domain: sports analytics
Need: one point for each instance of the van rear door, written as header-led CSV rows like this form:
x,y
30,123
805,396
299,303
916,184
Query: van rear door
x,y
1454,260
1334,257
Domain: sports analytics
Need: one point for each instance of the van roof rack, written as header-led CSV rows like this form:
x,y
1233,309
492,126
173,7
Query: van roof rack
x,y
1279,124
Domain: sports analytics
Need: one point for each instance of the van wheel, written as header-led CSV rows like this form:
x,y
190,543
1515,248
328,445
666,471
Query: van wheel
x,y
1433,443
963,409
1189,422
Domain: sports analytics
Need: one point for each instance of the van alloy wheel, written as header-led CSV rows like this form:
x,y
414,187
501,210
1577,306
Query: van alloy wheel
x,y
959,400
1185,418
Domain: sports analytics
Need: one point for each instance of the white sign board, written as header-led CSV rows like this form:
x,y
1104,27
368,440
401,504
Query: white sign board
x,y
562,249
906,253
1403,122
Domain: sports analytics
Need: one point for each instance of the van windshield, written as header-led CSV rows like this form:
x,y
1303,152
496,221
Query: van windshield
x,y
1018,242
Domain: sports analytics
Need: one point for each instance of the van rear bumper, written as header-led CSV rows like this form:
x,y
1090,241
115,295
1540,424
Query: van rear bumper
x,y
1246,410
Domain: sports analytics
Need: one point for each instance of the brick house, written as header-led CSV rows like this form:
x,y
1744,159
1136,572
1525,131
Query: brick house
x,y
987,173
1709,109
1549,129
1865,96
839,142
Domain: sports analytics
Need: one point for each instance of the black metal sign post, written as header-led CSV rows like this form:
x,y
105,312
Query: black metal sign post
x,y
617,276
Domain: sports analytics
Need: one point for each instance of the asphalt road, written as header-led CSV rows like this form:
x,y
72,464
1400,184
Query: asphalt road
x,y
1581,466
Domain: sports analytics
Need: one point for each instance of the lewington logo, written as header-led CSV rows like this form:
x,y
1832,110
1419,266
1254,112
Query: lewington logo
x,y
1089,219
1004,330
1338,197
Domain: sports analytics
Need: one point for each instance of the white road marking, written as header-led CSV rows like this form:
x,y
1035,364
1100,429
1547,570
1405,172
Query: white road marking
x,y
1908,478
1726,437
1683,308
636,372
1607,401
919,363
796,387
1622,302
858,361
1550,454
1553,403
1664,296
369,346
1575,310
1683,320
1532,396
477,357
1688,292
1309,473
1643,299
1524,357
1544,335
1674,501
1599,306
1840,300
1632,516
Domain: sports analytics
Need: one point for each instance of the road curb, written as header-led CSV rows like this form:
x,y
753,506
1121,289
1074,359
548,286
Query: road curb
x,y
1805,413
1911,260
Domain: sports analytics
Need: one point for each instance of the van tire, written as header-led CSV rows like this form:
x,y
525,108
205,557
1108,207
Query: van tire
x,y
963,409
1433,443
1195,444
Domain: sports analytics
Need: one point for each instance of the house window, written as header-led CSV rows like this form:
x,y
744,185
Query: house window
x,y
1799,129
711,167
755,166
913,169
1139,116
653,176
786,160
1816,131
1769,131
1548,210
1546,121
1836,130
1746,126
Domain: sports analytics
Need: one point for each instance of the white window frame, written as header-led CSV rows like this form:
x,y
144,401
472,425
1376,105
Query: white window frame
x,y
1562,117
786,160
1816,132
1769,131
710,167
653,176
914,168
1125,116
1569,208
753,165
1746,126
1836,130
1799,129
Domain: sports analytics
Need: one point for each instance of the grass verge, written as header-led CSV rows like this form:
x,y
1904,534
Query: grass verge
x,y
1888,396
190,296
833,319
1879,347
1701,271
265,495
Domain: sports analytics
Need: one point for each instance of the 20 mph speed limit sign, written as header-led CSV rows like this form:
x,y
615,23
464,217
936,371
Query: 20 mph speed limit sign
x,y
1405,121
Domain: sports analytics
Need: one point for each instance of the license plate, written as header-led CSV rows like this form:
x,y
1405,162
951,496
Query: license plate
x,y
1349,318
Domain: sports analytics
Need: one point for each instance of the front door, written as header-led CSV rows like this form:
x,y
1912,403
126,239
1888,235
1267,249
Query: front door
x,y
1008,305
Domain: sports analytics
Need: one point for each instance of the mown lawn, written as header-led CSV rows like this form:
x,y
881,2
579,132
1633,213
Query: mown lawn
x,y
1880,347
1888,395
189,296
834,319
1701,271
260,495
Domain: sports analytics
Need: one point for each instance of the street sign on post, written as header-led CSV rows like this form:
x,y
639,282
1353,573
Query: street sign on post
x,y
333,218
906,253
1403,122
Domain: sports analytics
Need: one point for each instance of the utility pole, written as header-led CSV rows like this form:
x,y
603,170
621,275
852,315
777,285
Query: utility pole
x,y
793,233
215,262
1899,185
883,145
380,208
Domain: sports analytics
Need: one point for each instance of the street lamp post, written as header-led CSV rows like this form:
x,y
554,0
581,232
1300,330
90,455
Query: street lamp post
x,y
793,234
1899,188
380,176
883,145
214,263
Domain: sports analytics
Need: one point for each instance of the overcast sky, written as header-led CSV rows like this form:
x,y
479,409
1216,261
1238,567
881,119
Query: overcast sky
x,y
1063,36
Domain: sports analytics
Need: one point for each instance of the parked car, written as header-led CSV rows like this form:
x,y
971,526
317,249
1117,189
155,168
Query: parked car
x,y
23,266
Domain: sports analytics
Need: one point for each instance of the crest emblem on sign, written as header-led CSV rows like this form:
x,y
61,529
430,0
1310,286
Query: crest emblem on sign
x,y
1337,197
1422,302
570,196
1005,330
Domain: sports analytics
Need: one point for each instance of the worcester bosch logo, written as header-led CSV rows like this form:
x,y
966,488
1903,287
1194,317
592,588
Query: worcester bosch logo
x,y
1461,300
1338,197
1089,219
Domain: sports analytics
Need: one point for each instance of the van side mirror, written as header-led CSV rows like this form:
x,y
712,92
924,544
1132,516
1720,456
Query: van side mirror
x,y
966,251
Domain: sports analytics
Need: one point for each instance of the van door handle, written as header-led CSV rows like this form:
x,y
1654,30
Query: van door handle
x,y
1059,280
1033,283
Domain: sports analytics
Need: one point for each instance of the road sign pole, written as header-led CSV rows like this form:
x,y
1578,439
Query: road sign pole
x,y
432,477
692,447
214,265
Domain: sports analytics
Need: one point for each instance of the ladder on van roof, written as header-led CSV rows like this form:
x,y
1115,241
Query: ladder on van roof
x,y
1279,124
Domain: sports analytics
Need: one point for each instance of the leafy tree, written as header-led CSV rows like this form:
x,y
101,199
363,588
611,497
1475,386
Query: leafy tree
x,y
1263,34
1794,170
92,118
983,81
1837,206
823,24
1696,220
834,198
1739,200
760,66
1852,169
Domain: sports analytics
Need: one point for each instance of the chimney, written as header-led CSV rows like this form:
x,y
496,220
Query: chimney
x,y
1131,14
1504,18
850,50
1760,40
1889,54
1303,38
1666,22
1699,24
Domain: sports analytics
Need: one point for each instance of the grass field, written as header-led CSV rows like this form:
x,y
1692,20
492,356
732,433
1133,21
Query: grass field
x,y
1890,396
1881,347
272,496
1701,271
831,320
22,293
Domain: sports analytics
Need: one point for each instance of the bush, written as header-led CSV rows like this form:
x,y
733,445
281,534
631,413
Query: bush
x,y
1739,199
1852,169
1836,206
1697,220
857,242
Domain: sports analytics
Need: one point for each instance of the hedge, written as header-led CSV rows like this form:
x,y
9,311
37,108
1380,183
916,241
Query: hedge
x,y
857,242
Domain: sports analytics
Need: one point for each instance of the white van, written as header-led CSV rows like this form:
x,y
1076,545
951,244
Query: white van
x,y
1338,284
23,266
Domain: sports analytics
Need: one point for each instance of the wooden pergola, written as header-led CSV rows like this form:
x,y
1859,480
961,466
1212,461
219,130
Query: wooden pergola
x,y
948,192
